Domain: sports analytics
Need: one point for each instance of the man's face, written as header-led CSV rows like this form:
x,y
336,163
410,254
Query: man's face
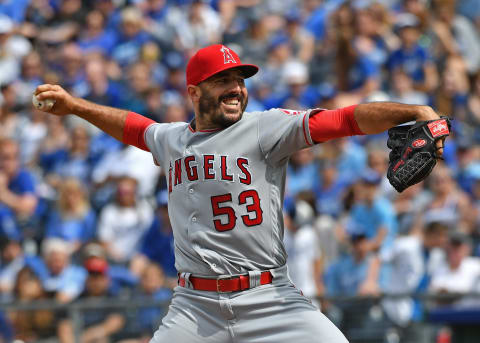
x,y
223,98
97,284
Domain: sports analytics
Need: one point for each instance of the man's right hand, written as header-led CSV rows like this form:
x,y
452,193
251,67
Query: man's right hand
x,y
64,102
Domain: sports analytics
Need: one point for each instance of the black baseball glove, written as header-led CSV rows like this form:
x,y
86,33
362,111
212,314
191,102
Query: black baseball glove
x,y
414,151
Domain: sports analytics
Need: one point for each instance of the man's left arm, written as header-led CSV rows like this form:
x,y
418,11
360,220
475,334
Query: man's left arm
x,y
370,118
376,117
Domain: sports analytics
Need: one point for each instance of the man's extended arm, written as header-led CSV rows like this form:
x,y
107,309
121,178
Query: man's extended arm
x,y
371,118
377,117
127,127
107,119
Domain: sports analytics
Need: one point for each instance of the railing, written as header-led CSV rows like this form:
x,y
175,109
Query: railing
x,y
460,316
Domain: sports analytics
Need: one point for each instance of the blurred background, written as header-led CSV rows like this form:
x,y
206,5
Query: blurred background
x,y
83,218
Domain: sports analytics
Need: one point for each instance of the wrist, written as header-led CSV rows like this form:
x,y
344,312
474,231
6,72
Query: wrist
x,y
426,113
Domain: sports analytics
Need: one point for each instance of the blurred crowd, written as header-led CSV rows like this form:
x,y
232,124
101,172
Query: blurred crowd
x,y
84,217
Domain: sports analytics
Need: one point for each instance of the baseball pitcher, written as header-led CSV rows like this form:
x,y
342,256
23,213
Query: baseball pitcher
x,y
225,172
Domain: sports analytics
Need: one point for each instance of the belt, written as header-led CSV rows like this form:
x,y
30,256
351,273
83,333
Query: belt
x,y
224,284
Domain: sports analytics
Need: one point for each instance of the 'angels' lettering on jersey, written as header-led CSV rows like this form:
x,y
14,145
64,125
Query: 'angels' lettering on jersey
x,y
208,167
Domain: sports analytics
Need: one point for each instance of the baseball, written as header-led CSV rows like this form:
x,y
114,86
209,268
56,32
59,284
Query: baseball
x,y
43,105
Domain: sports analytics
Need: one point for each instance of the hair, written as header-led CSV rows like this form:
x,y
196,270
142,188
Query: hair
x,y
435,228
55,244
82,205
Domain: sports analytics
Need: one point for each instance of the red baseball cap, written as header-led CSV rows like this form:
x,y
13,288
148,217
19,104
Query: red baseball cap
x,y
96,265
213,59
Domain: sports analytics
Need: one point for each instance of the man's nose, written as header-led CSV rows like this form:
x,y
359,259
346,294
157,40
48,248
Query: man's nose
x,y
234,85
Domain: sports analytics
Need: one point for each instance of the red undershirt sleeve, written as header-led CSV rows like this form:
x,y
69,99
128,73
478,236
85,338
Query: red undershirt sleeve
x,y
134,130
330,124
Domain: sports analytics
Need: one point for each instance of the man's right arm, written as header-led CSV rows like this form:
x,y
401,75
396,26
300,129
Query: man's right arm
x,y
127,127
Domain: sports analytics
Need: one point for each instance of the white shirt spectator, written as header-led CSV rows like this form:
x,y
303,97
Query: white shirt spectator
x,y
304,250
409,265
203,28
123,228
133,162
464,279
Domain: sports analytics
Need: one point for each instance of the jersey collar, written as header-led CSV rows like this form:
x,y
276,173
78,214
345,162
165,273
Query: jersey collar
x,y
192,128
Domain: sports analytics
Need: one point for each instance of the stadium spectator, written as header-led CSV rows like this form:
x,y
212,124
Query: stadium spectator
x,y
455,35
373,215
123,222
473,106
72,219
449,203
95,38
195,26
37,325
355,273
130,38
13,258
6,330
99,325
30,77
357,76
17,184
12,124
153,287
413,259
330,190
33,132
13,48
302,172
451,96
303,41
350,158
403,89
98,86
75,160
303,248
157,244
411,57
61,278
461,274
298,95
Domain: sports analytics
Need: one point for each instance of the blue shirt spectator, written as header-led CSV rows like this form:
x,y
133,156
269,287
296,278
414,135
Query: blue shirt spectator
x,y
12,260
15,9
303,172
8,223
72,219
74,161
372,217
412,61
59,276
6,330
345,276
22,183
361,71
158,246
71,229
351,160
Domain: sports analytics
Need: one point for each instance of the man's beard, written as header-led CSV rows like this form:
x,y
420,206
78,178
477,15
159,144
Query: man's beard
x,y
209,106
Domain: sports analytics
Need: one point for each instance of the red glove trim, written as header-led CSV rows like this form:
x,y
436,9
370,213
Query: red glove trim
x,y
134,130
330,124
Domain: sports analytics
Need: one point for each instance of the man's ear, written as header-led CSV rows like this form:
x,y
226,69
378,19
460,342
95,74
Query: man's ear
x,y
194,92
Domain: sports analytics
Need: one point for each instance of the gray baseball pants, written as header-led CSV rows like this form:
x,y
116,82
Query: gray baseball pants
x,y
273,313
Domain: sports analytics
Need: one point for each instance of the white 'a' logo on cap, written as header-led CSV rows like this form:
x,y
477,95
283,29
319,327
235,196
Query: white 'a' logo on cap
x,y
227,55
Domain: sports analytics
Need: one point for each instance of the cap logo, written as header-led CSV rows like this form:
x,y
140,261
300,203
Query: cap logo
x,y
227,55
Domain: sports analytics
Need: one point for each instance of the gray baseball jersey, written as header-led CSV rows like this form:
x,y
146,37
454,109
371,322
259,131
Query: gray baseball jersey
x,y
226,189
